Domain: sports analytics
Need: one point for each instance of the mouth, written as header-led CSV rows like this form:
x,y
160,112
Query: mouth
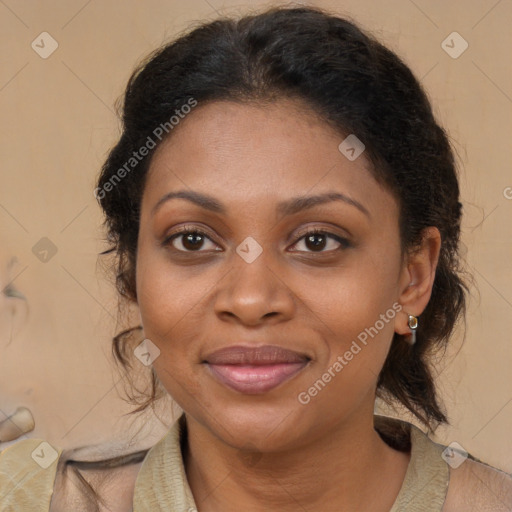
x,y
255,370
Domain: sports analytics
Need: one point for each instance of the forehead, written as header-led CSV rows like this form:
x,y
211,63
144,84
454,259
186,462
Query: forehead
x,y
244,151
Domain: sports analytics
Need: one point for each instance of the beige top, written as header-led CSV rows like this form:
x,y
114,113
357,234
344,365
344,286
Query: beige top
x,y
162,484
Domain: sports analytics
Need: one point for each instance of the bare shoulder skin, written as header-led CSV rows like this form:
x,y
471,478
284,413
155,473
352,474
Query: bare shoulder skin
x,y
476,486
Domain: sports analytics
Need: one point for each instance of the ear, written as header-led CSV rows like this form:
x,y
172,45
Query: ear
x,y
417,278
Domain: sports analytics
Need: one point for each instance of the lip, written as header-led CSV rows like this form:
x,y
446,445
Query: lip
x,y
255,370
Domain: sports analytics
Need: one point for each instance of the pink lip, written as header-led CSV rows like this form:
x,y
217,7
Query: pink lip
x,y
257,369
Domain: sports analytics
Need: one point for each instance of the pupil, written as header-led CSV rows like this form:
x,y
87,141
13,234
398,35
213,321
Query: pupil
x,y
317,244
193,239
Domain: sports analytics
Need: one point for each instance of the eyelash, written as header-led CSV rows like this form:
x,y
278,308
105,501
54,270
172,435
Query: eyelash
x,y
185,230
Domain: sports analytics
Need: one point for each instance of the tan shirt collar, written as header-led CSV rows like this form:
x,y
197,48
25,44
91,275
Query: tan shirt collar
x,y
162,482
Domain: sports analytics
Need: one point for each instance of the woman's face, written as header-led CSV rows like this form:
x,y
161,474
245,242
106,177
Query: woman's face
x,y
328,301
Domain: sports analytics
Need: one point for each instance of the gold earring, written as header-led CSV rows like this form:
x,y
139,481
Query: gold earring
x,y
413,325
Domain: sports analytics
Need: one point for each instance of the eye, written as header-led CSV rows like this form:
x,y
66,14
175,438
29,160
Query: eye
x,y
189,239
192,239
317,239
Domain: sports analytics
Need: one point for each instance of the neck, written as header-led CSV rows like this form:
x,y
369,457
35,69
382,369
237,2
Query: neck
x,y
343,468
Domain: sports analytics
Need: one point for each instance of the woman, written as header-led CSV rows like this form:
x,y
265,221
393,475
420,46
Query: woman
x,y
285,213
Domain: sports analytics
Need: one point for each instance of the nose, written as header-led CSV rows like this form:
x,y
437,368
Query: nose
x,y
252,293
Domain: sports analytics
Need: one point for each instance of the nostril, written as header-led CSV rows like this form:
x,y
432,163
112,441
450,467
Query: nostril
x,y
14,426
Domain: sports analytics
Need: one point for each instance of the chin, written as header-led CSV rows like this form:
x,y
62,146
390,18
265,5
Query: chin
x,y
263,426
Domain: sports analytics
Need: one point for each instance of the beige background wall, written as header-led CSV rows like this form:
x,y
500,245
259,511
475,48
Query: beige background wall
x,y
57,122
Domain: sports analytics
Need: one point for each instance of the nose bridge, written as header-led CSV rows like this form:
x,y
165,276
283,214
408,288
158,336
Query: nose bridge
x,y
253,288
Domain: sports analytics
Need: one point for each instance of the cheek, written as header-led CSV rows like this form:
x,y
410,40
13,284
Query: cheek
x,y
169,297
352,298
174,306
357,319
357,308
171,312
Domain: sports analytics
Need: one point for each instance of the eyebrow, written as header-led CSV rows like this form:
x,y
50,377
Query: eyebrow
x,y
287,207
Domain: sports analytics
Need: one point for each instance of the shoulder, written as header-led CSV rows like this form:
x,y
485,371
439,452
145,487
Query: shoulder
x,y
430,479
107,484
477,486
27,474
36,476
